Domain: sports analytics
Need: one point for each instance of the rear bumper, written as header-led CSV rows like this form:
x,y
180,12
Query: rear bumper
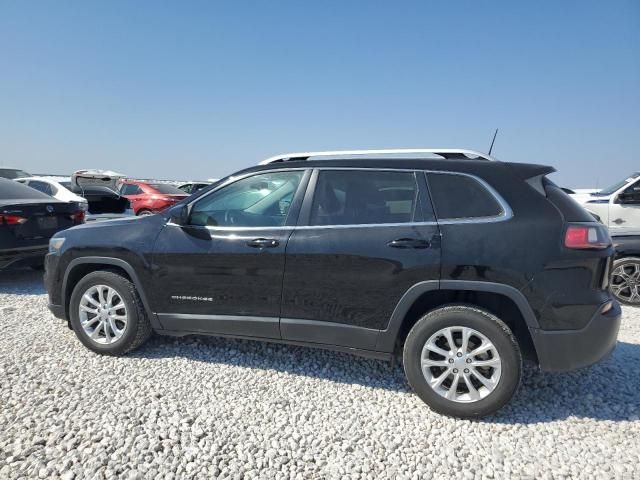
x,y
565,350
23,256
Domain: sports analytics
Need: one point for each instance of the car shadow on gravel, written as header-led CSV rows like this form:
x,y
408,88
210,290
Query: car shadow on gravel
x,y
608,391
22,282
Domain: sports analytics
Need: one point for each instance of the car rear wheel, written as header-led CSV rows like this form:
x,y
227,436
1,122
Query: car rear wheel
x,y
625,281
107,314
142,213
462,361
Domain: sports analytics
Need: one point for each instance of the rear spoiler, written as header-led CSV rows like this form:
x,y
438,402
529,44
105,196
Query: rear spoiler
x,y
524,171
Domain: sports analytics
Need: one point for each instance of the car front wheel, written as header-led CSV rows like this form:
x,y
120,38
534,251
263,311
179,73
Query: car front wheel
x,y
462,361
107,314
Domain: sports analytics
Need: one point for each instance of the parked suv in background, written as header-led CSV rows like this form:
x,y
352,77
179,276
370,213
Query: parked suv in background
x,y
461,265
149,198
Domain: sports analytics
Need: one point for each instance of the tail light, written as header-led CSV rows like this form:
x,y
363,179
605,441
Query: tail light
x,y
12,220
78,216
587,237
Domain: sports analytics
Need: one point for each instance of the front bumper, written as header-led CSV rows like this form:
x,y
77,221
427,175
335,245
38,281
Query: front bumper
x,y
565,350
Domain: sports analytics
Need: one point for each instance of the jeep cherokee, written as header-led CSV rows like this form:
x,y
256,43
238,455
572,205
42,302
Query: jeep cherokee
x,y
459,264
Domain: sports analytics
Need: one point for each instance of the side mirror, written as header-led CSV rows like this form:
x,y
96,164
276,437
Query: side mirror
x,y
180,215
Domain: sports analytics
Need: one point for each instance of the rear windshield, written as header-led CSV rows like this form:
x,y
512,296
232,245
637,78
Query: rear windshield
x,y
13,173
166,188
10,190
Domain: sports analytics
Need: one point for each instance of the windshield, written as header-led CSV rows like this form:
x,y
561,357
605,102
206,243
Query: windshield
x,y
617,186
166,189
13,173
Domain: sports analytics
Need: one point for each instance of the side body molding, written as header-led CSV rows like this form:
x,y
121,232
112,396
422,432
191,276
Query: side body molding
x,y
116,262
387,338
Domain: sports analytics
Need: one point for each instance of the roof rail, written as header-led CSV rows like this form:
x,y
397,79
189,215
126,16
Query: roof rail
x,y
448,153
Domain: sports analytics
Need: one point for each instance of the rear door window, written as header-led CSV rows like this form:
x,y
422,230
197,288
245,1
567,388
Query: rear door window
x,y
130,189
360,197
457,197
43,187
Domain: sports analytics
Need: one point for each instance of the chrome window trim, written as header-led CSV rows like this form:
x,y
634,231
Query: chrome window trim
x,y
505,215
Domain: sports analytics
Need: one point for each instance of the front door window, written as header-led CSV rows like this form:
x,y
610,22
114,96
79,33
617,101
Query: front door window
x,y
261,200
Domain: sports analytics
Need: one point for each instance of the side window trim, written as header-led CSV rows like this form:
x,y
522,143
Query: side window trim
x,y
505,214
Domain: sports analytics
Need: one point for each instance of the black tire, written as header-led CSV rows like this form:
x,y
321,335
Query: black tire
x,y
143,212
138,329
495,330
626,294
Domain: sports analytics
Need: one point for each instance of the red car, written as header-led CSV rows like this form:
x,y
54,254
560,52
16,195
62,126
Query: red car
x,y
149,198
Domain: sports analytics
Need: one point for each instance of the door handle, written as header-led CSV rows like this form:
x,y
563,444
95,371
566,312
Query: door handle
x,y
263,243
409,243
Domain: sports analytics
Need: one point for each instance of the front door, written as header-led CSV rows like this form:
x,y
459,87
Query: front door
x,y
222,272
365,237
624,211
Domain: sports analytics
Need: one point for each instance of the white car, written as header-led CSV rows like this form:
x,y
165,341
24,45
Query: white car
x,y
57,187
618,206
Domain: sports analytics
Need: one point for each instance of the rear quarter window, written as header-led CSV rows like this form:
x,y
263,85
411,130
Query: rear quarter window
x,y
458,196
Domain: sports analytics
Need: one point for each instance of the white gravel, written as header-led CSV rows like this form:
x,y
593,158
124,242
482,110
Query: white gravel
x,y
205,407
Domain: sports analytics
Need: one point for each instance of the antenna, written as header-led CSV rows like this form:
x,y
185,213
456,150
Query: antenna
x,y
495,134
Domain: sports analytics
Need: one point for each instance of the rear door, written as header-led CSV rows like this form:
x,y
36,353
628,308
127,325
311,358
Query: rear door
x,y
134,194
365,237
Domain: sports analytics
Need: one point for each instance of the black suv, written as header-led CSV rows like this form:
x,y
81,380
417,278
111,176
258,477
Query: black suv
x,y
463,266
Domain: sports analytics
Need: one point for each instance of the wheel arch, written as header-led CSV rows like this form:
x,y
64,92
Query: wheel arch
x,y
504,301
78,268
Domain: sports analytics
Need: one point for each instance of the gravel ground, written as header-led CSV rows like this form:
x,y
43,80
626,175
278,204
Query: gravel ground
x,y
206,407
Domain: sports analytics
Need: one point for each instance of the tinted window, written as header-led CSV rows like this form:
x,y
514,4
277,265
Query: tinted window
x,y
357,197
10,190
257,201
130,189
12,173
41,186
460,196
166,189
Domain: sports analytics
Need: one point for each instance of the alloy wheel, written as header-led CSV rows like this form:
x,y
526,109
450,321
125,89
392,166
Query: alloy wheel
x,y
103,314
625,281
461,364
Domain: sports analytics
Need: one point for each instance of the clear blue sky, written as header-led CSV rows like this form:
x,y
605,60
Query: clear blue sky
x,y
190,89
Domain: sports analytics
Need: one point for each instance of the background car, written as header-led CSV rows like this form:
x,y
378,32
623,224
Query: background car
x,y
57,187
12,173
192,187
617,207
149,198
28,219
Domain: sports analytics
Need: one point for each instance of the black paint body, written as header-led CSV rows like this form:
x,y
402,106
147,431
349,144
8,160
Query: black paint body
x,y
346,287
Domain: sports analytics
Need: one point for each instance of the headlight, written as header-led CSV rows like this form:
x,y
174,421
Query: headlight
x,y
55,244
